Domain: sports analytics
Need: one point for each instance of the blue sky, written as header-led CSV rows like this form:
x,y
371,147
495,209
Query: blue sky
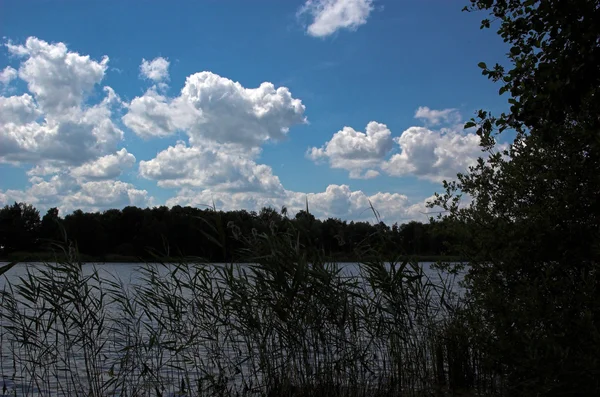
x,y
245,103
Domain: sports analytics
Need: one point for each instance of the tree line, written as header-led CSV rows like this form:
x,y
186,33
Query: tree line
x,y
145,233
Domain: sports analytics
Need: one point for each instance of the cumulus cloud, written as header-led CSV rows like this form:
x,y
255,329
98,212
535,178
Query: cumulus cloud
x,y
44,169
107,194
52,123
70,138
434,117
70,143
154,115
368,174
356,151
66,193
338,201
59,79
430,154
18,110
66,139
342,202
234,114
433,155
51,191
219,168
7,75
106,167
156,70
226,124
329,16
211,107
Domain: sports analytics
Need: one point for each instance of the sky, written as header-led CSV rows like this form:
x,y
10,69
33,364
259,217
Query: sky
x,y
241,104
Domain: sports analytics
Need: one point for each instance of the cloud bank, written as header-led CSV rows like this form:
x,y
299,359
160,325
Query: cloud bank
x,y
69,131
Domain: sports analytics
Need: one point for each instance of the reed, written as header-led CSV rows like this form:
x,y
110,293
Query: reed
x,y
288,323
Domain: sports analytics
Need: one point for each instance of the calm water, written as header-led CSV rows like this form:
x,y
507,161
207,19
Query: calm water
x,y
129,272
17,381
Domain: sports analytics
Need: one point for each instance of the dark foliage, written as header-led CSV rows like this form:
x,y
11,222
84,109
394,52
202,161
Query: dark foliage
x,y
532,231
137,233
19,227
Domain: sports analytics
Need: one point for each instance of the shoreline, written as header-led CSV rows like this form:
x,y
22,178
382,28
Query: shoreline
x,y
109,258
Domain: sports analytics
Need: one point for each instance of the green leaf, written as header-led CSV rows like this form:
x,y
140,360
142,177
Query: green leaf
x,y
470,124
482,65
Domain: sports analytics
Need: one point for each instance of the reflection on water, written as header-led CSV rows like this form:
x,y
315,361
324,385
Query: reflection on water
x,y
188,339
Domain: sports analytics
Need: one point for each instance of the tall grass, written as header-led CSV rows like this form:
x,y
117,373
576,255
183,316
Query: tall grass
x,y
289,323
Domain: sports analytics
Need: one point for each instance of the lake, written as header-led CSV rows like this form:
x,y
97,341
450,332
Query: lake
x,y
128,272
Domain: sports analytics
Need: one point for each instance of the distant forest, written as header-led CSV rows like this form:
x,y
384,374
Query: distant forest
x,y
161,232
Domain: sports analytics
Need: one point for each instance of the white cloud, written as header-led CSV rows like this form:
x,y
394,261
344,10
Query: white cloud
x,y
107,167
51,126
229,176
434,117
226,125
428,154
219,168
51,191
58,78
72,144
341,202
356,151
110,166
328,16
71,138
44,169
211,107
369,174
154,115
18,110
433,155
156,70
69,142
107,194
11,196
7,75
337,201
66,193
234,114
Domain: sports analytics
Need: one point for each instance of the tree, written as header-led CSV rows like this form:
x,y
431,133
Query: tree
x,y
532,230
19,228
50,229
212,235
86,229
